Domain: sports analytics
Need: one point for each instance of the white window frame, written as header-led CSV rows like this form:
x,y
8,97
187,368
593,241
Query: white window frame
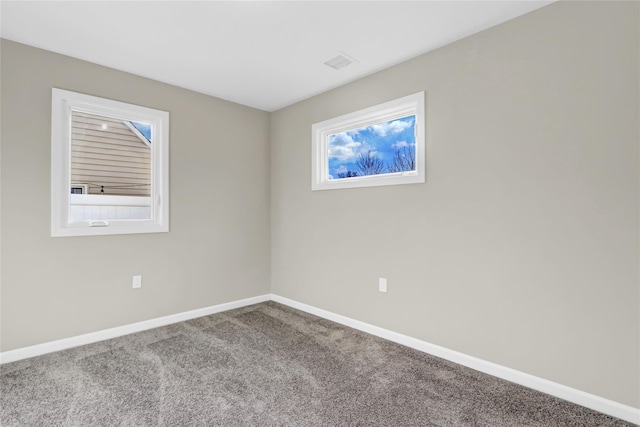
x,y
402,107
63,103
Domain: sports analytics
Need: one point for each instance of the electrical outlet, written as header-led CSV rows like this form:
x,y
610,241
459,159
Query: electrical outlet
x,y
382,284
137,282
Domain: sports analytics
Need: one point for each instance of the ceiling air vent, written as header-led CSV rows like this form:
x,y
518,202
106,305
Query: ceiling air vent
x,y
340,61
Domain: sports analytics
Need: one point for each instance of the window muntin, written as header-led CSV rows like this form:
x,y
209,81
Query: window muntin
x,y
109,166
380,145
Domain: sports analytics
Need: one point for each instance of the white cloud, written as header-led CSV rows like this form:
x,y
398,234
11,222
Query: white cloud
x,y
400,144
341,169
343,147
341,139
392,127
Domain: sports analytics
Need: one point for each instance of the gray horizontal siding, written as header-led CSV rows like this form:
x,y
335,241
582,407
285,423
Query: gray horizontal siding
x,y
113,157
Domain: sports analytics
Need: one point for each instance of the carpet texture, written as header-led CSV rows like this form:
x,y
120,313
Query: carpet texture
x,y
266,365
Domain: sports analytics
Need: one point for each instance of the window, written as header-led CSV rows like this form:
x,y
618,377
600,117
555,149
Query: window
x,y
109,167
380,145
79,188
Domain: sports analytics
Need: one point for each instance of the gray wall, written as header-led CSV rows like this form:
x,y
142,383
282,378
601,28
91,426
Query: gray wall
x,y
522,246
218,247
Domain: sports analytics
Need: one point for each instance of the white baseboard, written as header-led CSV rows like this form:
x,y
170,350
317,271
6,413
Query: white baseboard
x,y
600,404
63,344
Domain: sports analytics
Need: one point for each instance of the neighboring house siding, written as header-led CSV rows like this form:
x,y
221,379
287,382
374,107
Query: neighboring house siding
x,y
115,157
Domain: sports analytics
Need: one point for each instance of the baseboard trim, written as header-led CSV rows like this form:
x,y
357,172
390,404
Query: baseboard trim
x,y
600,404
105,334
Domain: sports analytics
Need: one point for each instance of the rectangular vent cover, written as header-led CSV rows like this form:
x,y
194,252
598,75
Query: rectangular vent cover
x,y
340,61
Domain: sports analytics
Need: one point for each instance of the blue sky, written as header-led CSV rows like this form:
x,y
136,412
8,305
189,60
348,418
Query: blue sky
x,y
382,140
144,129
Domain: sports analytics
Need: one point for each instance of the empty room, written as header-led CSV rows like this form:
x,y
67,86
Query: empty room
x,y
320,213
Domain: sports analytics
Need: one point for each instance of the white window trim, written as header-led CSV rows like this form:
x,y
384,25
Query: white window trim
x,y
398,108
63,102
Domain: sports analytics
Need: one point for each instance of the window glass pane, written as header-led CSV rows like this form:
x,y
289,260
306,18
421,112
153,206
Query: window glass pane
x,y
379,145
109,161
383,148
112,159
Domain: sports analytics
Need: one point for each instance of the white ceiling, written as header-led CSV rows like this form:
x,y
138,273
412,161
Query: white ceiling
x,y
264,54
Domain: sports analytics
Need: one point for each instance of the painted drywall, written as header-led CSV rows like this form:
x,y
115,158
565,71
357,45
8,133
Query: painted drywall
x,y
217,249
522,248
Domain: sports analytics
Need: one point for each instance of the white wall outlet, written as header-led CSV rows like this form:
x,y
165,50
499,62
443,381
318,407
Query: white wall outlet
x,y
137,282
382,284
